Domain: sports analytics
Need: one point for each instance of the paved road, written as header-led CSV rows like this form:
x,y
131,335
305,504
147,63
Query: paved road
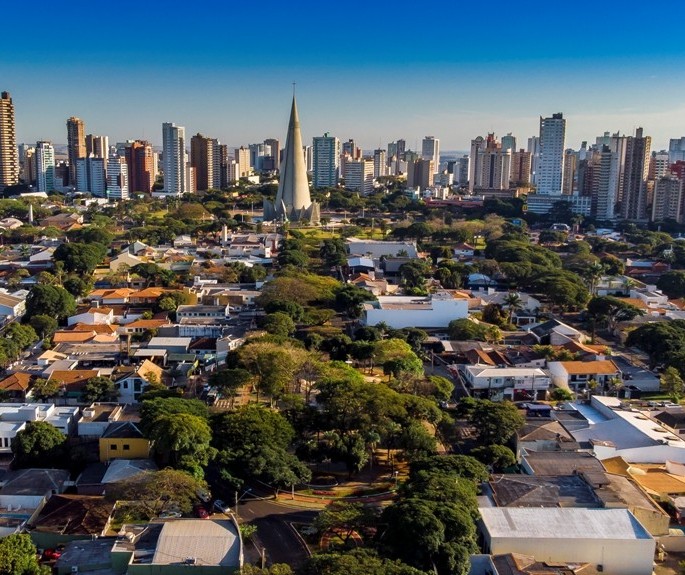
x,y
273,529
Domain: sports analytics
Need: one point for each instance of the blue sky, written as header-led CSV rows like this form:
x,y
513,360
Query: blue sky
x,y
372,71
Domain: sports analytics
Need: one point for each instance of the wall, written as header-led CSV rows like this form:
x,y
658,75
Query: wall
x,y
138,448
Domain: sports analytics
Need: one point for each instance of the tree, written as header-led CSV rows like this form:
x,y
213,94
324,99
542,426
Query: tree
x,y
561,394
18,556
672,283
156,491
78,258
415,273
465,330
513,303
658,340
229,381
612,310
44,389
151,409
40,444
499,457
274,569
100,389
356,562
349,298
45,325
672,383
183,440
333,252
495,423
442,388
347,519
49,300
280,324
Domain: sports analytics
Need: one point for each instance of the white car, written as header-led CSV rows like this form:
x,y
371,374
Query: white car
x,y
222,507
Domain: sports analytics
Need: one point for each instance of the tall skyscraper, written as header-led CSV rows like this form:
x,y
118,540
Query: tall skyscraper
x,y
174,159
420,173
634,196
202,159
430,150
359,175
570,165
91,177
140,163
351,149
493,166
380,163
552,144
668,196
117,178
45,167
475,161
326,161
242,156
76,145
9,157
676,150
534,151
659,165
293,201
97,146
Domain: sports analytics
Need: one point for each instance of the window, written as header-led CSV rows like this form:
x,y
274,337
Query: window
x,y
113,446
126,385
127,447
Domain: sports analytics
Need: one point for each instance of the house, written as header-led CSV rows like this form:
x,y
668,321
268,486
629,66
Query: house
x,y
63,221
611,538
545,436
108,297
15,386
376,286
141,326
73,381
379,248
576,375
125,260
219,312
123,440
11,306
93,315
67,518
170,344
123,469
209,546
559,463
15,416
518,564
513,383
131,381
463,251
554,332
435,310
148,296
96,418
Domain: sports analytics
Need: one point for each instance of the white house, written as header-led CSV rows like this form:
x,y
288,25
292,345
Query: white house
x,y
15,416
380,248
11,306
613,540
202,312
575,375
506,382
94,316
436,310
132,380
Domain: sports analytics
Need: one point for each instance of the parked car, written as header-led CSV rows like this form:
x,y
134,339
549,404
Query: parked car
x,y
170,515
201,512
221,506
52,554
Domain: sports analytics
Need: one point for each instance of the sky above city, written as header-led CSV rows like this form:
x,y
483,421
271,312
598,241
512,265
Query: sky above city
x,y
374,72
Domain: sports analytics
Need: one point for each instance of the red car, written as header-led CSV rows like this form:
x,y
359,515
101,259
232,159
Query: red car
x,y
201,512
51,554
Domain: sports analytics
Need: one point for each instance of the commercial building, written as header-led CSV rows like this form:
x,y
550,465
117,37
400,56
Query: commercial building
x,y
380,163
326,150
676,150
117,178
549,179
359,175
9,158
275,150
97,146
76,146
420,174
436,310
174,159
611,539
45,167
430,150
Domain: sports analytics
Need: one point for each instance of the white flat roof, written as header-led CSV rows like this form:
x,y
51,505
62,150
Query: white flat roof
x,y
561,523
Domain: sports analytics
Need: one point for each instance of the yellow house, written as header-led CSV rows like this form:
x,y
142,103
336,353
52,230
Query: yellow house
x,y
123,440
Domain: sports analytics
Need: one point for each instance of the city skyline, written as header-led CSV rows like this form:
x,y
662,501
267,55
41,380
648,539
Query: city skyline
x,y
371,81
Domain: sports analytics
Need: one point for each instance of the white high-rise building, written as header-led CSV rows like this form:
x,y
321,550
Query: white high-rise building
x,y
174,159
552,144
242,157
430,150
91,177
117,178
534,151
359,175
326,155
380,163
45,167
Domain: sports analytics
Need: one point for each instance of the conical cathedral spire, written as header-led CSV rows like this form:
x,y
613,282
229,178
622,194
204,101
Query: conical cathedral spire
x,y
293,201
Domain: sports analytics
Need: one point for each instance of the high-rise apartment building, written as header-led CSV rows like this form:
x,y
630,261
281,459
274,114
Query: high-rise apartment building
x,y
552,144
634,189
520,168
475,161
275,151
91,176
140,162
420,173
676,150
9,156
45,167
28,166
668,199
380,163
117,178
351,149
534,151
490,164
202,159
76,145
326,169
659,165
97,146
242,156
174,159
359,175
570,165
430,150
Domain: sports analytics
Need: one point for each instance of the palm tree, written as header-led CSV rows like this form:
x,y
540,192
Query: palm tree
x,y
591,274
513,302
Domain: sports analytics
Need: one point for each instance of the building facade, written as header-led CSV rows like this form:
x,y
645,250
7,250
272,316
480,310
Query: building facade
x,y
174,159
91,176
326,168
552,144
76,146
117,178
9,157
634,190
141,166
45,167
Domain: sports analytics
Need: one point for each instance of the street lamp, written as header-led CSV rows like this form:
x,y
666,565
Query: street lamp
x,y
238,499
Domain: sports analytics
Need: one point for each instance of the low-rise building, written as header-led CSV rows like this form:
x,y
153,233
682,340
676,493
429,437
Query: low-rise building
x,y
434,311
581,375
124,440
513,383
15,416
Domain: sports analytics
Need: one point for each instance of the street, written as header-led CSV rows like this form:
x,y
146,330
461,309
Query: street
x,y
273,530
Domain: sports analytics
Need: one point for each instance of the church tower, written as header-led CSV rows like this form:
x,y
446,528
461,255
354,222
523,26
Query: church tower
x,y
293,202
